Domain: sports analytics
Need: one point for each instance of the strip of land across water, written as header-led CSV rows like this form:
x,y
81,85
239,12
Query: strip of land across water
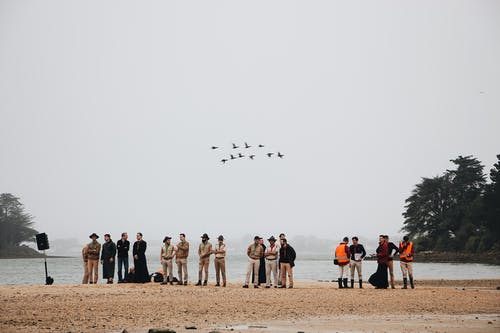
x,y
434,306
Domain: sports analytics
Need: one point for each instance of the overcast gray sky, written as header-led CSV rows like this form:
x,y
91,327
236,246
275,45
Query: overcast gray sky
x,y
108,110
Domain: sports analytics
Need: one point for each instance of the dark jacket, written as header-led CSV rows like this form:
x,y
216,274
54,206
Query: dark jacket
x,y
287,255
357,249
122,247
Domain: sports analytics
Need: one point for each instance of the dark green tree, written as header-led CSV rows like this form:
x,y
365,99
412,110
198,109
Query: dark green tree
x,y
15,223
428,211
491,225
446,212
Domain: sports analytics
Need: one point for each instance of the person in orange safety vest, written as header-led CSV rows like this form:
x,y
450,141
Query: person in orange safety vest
x,y
342,255
406,253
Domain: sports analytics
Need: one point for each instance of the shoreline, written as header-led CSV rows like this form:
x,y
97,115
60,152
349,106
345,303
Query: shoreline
x,y
318,305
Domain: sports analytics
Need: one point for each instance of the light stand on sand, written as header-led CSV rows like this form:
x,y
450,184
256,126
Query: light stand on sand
x,y
42,242
48,279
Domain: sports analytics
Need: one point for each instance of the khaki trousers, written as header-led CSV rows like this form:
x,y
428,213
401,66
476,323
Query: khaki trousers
x,y
406,268
271,267
203,266
390,264
182,266
286,269
343,271
356,265
85,272
168,268
93,265
220,269
253,265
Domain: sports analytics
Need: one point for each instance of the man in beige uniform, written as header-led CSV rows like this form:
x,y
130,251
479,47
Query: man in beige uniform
x,y
220,261
93,252
254,252
181,256
85,266
204,251
166,256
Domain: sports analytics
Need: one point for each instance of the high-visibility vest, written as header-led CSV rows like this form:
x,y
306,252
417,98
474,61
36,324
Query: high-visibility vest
x,y
406,251
341,254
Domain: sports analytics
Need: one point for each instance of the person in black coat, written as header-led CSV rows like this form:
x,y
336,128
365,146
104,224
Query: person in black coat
x,y
287,262
141,268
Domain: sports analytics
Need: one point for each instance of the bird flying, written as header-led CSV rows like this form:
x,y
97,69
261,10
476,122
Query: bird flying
x,y
214,147
247,146
223,161
280,155
251,157
235,146
261,146
270,154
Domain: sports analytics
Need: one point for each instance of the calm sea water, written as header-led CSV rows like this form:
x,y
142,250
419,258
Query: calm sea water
x,y
69,270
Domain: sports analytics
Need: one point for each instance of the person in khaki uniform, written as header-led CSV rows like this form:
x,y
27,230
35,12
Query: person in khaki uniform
x,y
220,261
204,251
85,266
93,252
166,256
254,253
181,255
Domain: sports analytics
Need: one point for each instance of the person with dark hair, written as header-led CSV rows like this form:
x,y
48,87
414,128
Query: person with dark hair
x,y
358,253
122,247
141,274
342,254
93,253
287,262
220,261
204,251
181,255
254,252
406,253
108,259
280,237
379,279
166,256
390,262
262,265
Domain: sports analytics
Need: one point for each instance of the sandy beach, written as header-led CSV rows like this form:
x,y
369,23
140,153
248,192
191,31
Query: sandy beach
x,y
434,306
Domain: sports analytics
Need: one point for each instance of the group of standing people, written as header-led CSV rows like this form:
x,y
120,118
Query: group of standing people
x,y
349,258
276,260
106,253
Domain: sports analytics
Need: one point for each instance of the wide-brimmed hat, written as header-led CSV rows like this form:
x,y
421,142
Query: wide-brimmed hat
x,y
257,237
272,239
205,236
220,237
94,234
166,238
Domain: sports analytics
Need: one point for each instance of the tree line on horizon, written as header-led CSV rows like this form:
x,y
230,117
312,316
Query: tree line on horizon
x,y
458,211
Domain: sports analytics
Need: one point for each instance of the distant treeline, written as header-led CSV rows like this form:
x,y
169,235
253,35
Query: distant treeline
x,y
456,211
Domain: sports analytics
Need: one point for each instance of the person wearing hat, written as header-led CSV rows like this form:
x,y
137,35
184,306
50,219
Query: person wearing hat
x,y
271,255
204,251
181,255
254,253
220,261
406,253
166,256
93,252
108,259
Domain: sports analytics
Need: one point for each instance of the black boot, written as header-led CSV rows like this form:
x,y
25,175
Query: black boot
x,y
345,283
405,283
205,282
199,283
360,284
352,283
340,283
411,282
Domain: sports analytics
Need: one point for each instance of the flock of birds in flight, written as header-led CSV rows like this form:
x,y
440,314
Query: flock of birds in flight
x,y
237,155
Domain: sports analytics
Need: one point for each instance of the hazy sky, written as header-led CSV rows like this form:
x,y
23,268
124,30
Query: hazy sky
x,y
108,110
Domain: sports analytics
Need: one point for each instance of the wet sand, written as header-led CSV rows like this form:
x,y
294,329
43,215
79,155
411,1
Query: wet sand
x,y
434,306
